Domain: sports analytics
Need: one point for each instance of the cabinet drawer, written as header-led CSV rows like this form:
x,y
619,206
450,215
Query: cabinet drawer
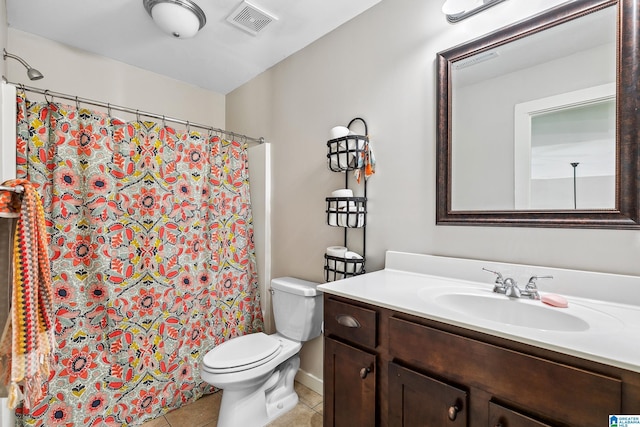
x,y
350,322
499,416
555,391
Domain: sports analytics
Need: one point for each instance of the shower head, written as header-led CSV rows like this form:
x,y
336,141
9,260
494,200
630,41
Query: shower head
x,y
31,72
34,74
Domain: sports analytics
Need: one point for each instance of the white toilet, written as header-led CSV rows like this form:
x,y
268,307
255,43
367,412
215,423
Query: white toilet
x,y
256,371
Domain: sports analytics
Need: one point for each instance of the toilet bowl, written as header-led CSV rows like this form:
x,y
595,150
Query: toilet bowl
x,y
256,372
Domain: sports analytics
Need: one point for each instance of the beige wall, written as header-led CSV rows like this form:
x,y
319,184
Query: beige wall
x,y
3,31
381,66
76,72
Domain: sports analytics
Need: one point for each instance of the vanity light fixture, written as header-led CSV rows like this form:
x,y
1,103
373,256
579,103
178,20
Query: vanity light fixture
x,y
31,72
457,10
180,18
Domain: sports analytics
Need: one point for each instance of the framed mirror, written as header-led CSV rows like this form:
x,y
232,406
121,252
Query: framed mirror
x,y
538,121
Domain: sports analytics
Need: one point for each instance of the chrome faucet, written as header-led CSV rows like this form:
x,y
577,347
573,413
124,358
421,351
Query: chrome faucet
x,y
510,288
499,286
531,290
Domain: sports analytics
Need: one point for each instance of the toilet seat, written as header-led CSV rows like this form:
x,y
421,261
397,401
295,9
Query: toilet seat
x,y
241,353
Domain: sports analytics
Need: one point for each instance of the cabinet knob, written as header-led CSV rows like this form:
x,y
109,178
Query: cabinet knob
x,y
453,412
364,372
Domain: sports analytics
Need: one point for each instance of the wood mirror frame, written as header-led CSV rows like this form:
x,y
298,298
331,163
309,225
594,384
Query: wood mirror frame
x,y
626,213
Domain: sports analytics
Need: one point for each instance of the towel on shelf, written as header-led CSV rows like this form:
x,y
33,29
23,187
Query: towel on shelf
x,y
366,163
28,342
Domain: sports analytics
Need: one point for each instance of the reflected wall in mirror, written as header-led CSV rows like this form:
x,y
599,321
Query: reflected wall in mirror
x,y
565,150
537,124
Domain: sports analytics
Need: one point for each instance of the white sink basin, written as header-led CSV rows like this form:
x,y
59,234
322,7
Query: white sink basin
x,y
517,312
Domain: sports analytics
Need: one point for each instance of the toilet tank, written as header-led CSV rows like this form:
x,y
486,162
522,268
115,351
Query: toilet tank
x,y
297,308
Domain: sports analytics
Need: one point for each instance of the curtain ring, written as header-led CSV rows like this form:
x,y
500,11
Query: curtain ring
x,y
188,127
24,92
137,115
164,122
46,92
210,133
109,109
77,104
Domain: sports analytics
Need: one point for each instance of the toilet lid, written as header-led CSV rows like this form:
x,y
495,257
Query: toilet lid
x,y
251,349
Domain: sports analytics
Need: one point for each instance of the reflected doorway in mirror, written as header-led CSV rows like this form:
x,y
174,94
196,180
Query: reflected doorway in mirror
x,y
552,133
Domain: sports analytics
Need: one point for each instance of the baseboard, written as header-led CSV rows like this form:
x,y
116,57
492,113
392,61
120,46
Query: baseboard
x,y
310,380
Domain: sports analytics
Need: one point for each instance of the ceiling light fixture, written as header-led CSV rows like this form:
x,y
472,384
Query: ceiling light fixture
x,y
31,72
457,10
180,18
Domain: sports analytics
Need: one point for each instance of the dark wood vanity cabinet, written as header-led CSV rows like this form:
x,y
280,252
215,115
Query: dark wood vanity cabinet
x,y
384,368
350,365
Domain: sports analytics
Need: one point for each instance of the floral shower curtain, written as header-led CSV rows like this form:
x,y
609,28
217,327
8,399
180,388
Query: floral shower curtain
x,y
152,259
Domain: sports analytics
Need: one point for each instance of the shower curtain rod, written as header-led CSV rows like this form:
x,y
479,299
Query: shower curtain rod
x,y
109,107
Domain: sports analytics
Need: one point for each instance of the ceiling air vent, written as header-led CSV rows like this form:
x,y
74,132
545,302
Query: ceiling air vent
x,y
250,18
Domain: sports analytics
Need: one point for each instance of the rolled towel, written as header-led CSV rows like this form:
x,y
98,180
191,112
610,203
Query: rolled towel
x,y
333,217
343,192
338,155
337,266
354,217
353,267
338,132
334,205
337,251
341,206
350,217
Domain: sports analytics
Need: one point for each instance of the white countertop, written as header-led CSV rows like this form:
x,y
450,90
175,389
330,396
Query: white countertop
x,y
612,336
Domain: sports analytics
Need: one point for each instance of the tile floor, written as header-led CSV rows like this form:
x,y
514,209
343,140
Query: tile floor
x,y
204,412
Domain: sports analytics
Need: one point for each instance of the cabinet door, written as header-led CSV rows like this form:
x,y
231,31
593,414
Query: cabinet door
x,y
418,400
350,386
499,416
568,395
